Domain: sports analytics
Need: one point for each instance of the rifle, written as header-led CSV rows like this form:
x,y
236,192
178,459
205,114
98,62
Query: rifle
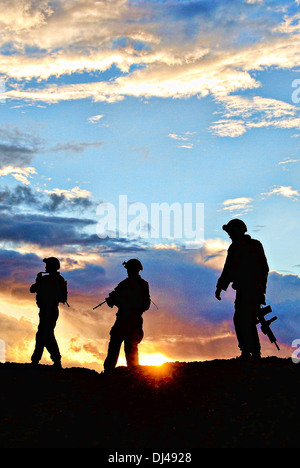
x,y
101,303
265,324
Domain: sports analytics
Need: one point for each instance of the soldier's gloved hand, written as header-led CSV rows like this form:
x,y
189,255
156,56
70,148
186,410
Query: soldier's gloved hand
x,y
39,276
263,299
109,302
218,294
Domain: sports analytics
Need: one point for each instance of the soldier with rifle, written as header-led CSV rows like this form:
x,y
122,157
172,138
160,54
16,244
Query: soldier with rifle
x,y
247,269
132,298
51,289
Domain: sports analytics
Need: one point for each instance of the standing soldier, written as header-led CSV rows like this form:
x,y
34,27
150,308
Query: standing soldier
x,y
247,268
50,290
132,298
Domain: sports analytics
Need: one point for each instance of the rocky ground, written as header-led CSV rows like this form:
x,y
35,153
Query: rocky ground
x,y
212,404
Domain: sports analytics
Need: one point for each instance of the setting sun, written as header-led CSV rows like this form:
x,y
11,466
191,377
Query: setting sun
x,y
155,359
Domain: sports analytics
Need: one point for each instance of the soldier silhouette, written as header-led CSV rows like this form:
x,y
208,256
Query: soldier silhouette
x,y
247,269
132,298
50,290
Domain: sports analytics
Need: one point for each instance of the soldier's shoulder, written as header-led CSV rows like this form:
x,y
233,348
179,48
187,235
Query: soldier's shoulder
x,y
58,277
122,283
256,246
144,282
255,242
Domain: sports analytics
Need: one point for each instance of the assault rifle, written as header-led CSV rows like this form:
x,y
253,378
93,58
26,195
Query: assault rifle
x,y
265,324
101,303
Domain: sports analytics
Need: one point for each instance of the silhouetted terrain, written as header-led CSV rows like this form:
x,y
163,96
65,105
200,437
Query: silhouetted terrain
x,y
220,403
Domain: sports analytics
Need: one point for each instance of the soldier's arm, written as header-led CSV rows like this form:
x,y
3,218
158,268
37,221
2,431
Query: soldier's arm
x,y
265,266
147,299
225,278
34,287
114,296
262,270
110,299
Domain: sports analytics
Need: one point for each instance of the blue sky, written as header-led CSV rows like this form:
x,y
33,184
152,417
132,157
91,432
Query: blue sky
x,y
161,101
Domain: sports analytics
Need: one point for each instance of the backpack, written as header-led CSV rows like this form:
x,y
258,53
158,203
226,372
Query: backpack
x,y
63,296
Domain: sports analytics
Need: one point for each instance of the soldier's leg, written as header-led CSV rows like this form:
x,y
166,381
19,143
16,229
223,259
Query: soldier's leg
x,y
39,340
245,325
240,334
131,347
113,351
50,340
253,332
52,347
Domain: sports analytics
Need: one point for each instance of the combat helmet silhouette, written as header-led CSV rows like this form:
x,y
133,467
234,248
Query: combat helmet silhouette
x,y
235,225
133,265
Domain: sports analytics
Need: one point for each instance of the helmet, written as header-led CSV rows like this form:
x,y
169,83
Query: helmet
x,y
235,224
53,263
133,264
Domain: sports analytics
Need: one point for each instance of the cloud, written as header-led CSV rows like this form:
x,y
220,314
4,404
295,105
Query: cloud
x,y
75,192
95,118
241,204
10,199
21,174
284,191
289,161
62,38
168,66
163,81
228,128
19,199
18,335
67,200
236,106
242,114
66,235
212,254
76,147
17,148
44,230
184,139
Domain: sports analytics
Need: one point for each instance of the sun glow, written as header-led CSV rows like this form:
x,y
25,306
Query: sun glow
x,y
156,359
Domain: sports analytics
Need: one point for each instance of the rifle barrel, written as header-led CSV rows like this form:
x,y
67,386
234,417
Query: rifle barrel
x,y
99,305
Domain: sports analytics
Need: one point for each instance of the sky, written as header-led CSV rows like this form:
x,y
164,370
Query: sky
x,y
153,102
